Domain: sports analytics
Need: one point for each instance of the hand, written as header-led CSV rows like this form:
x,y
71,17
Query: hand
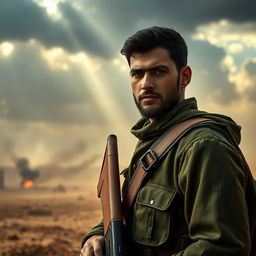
x,y
93,246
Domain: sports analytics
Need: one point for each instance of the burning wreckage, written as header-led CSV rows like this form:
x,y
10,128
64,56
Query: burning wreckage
x,y
28,175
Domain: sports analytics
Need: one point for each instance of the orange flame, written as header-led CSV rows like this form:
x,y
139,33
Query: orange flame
x,y
27,183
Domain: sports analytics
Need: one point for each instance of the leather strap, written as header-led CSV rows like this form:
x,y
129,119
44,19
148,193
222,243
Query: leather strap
x,y
152,157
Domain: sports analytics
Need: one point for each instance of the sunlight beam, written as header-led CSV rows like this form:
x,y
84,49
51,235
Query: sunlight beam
x,y
102,95
6,49
100,91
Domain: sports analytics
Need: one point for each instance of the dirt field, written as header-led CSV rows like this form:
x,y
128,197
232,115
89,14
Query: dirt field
x,y
44,223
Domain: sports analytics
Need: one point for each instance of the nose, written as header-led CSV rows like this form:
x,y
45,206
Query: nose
x,y
147,82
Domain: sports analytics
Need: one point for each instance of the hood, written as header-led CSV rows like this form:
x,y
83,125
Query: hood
x,y
144,130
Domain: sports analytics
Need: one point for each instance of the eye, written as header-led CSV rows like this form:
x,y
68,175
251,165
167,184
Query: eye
x,y
160,71
137,74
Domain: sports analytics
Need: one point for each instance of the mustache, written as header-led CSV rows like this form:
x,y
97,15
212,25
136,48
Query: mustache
x,y
145,93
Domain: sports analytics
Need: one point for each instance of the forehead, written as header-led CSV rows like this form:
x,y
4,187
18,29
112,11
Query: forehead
x,y
157,56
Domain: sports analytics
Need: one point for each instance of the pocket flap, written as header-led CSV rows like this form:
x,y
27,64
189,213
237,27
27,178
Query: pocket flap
x,y
156,196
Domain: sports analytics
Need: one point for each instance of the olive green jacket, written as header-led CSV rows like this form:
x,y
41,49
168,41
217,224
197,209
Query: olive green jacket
x,y
199,189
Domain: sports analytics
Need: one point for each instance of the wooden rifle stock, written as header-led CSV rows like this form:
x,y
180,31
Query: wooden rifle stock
x,y
108,190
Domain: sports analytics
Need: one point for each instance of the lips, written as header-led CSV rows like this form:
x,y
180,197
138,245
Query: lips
x,y
148,96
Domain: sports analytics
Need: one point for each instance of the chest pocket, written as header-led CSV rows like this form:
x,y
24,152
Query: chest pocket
x,y
151,220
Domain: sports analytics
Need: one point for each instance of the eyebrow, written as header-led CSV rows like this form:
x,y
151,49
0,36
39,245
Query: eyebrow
x,y
134,70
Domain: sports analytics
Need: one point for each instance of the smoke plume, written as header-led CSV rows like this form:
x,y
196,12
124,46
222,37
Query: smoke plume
x,y
26,173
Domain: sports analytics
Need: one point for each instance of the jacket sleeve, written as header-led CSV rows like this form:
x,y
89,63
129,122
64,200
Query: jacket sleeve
x,y
212,180
96,230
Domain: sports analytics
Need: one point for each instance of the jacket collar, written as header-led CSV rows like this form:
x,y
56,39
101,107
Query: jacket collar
x,y
145,130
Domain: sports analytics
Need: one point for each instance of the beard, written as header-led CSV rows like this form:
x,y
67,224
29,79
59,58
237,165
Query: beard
x,y
155,112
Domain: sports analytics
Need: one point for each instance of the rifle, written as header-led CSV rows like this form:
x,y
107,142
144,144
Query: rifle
x,y
108,190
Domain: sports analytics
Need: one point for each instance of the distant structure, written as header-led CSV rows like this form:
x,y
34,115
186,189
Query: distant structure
x,y
1,179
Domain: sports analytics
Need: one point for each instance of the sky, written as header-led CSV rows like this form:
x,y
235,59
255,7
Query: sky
x,y
65,86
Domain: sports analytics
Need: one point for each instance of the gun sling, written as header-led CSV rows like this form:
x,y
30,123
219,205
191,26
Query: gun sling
x,y
152,157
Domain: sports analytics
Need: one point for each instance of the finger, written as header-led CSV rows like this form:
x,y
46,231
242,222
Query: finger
x,y
82,252
98,250
87,251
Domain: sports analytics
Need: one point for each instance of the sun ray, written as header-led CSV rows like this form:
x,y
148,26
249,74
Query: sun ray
x,y
103,96
101,92
51,6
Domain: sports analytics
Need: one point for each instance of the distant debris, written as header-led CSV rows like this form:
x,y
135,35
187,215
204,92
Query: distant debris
x,y
39,212
14,237
80,198
60,189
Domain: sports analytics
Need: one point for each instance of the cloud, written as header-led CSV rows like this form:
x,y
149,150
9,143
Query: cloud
x,y
235,48
32,91
70,161
245,79
64,163
81,24
238,43
250,69
126,17
45,142
22,20
227,34
209,80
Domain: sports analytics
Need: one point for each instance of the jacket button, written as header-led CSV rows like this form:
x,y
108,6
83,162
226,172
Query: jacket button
x,y
134,166
152,201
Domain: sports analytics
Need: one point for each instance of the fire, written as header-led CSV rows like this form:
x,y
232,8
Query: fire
x,y
27,183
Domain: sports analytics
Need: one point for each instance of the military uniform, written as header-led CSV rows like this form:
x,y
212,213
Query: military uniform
x,y
194,202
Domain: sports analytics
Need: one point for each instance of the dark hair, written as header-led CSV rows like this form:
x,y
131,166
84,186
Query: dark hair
x,y
147,39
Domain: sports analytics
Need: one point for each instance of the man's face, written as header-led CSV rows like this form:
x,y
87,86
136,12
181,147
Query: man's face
x,y
155,82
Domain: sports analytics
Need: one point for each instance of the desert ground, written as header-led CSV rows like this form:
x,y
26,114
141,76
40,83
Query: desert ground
x,y
43,222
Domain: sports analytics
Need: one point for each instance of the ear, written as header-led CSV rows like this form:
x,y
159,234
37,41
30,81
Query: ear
x,y
185,76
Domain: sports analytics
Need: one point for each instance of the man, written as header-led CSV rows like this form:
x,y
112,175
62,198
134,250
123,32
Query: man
x,y
198,200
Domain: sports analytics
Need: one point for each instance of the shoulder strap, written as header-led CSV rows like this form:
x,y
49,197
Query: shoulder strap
x,y
156,152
